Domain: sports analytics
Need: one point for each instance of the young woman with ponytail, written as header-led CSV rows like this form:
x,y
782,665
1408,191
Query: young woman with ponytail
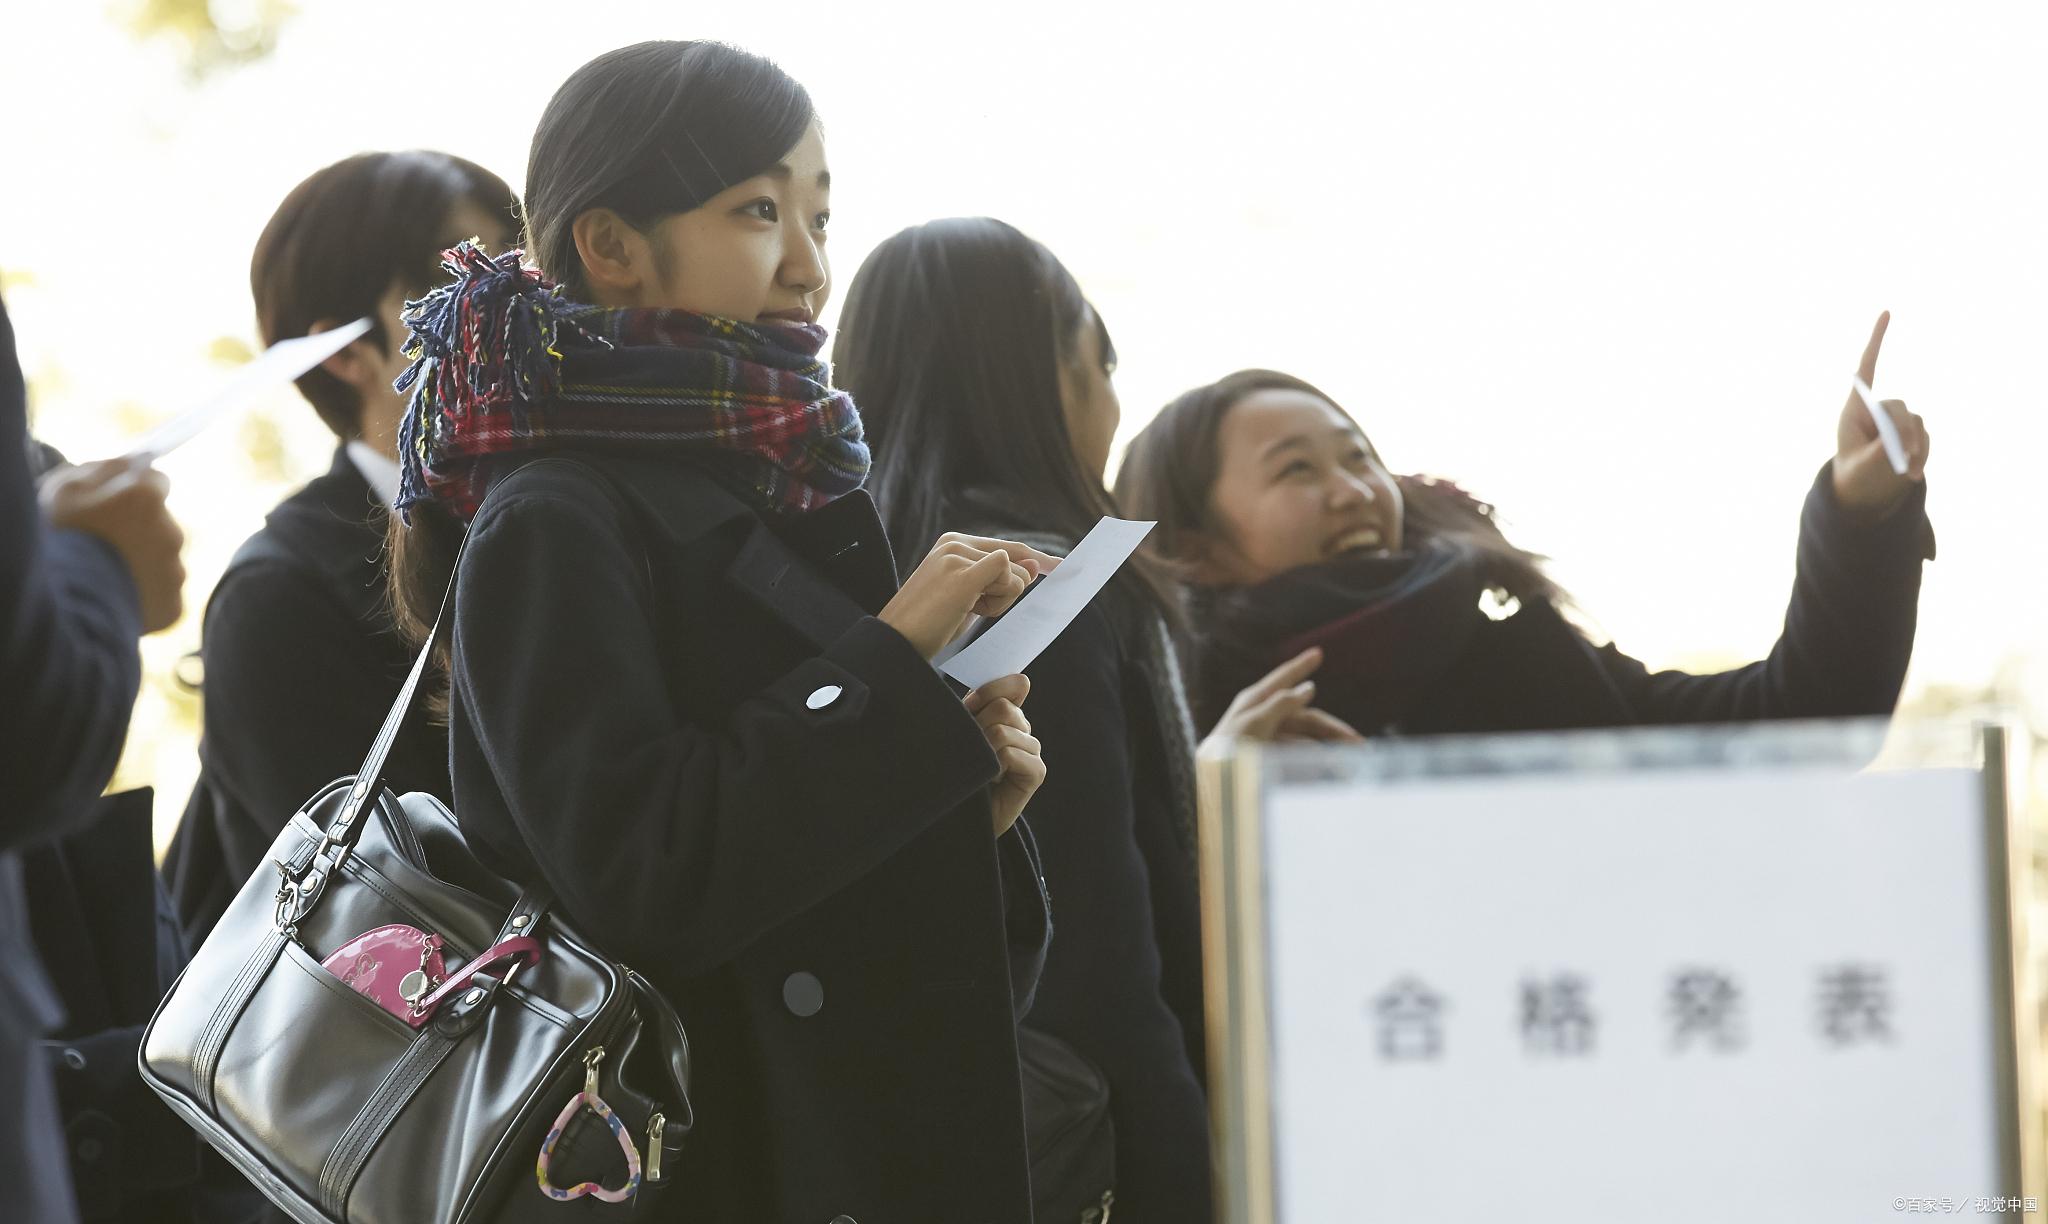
x,y
686,693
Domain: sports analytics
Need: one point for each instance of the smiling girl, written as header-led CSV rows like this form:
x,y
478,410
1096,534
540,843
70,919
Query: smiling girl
x,y
1293,532
686,694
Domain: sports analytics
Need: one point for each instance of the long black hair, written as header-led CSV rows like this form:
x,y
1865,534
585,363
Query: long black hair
x,y
953,341
648,131
1169,474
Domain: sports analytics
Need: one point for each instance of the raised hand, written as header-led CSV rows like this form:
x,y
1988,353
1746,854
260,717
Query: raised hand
x,y
1865,484
122,502
1277,708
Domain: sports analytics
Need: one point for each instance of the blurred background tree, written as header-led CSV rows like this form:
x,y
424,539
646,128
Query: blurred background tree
x,y
209,36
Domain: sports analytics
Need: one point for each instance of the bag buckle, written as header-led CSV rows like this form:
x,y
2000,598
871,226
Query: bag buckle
x,y
295,897
290,903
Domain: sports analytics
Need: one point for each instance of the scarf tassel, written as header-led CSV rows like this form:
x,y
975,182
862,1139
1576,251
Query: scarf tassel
x,y
489,340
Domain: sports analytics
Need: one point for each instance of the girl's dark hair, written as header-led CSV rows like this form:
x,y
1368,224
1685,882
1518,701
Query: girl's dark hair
x,y
952,341
342,238
648,131
1169,472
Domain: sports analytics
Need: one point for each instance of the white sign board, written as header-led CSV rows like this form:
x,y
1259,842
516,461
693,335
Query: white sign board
x,y
1599,990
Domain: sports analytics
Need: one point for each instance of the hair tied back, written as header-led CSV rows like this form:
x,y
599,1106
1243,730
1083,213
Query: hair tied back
x,y
487,341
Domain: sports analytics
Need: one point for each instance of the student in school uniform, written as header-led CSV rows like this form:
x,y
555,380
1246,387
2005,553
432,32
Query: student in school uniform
x,y
88,564
1294,533
300,661
686,693
984,375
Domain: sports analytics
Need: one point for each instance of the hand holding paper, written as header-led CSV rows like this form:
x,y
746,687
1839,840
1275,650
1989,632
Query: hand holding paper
x,y
1012,643
1881,447
962,577
122,502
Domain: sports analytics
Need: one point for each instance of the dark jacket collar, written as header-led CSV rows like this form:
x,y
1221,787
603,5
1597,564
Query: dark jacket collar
x,y
334,528
817,572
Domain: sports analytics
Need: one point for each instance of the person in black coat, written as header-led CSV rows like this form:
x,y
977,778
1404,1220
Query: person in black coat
x,y
78,586
984,376
685,692
300,661
1296,536
111,945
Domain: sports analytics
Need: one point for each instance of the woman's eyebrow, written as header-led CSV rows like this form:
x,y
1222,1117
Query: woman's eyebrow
x,y
782,171
1273,448
785,172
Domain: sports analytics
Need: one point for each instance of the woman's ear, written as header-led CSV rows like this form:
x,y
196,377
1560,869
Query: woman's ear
x,y
358,364
615,256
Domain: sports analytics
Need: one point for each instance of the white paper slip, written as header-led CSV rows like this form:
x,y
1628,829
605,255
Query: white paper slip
x,y
1034,621
1887,432
281,362
967,637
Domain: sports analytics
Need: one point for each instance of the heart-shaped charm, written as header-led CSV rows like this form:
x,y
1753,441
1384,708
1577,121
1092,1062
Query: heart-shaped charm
x,y
588,1099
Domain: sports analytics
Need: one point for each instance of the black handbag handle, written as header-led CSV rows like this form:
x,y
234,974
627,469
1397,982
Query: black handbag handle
x,y
296,896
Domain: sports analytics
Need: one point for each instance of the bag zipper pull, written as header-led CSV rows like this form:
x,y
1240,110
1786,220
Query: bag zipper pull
x,y
655,1126
590,1062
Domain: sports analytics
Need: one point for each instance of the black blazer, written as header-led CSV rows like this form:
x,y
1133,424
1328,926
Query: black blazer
x,y
301,665
689,724
69,669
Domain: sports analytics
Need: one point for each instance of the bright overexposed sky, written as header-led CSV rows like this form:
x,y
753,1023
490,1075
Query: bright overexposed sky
x,y
1610,266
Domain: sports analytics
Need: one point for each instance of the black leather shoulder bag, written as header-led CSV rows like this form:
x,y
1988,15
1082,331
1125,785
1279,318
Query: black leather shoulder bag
x,y
342,1110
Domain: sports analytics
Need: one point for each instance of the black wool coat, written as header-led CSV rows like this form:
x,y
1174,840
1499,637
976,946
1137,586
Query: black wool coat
x,y
111,946
69,670
1122,982
301,665
1123,978
687,721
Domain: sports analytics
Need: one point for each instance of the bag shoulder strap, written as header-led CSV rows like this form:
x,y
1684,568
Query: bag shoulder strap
x,y
295,899
297,895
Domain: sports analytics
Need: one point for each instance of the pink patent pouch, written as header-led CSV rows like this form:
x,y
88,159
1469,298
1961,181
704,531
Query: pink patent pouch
x,y
395,966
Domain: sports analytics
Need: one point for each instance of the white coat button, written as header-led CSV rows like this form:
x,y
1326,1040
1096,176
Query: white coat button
x,y
822,697
803,994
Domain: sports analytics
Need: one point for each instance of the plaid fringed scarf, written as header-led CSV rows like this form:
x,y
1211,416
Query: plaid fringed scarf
x,y
502,363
